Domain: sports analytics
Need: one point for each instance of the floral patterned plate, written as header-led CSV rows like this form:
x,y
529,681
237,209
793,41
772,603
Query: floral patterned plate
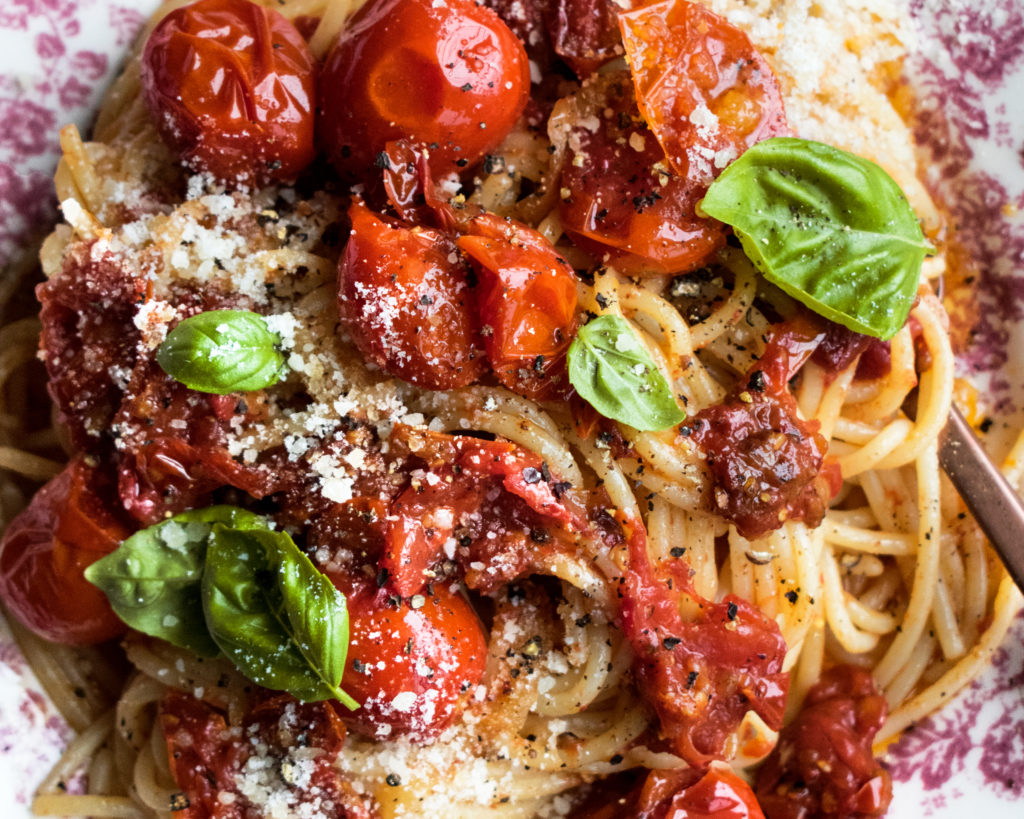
x,y
56,57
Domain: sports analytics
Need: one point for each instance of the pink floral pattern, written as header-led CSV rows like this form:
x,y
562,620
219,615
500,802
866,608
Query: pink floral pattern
x,y
65,80
968,76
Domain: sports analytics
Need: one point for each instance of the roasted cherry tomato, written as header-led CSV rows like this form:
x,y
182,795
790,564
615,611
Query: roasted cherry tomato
x,y
450,76
823,765
622,201
703,88
701,675
230,87
66,528
680,794
403,296
410,662
585,33
526,305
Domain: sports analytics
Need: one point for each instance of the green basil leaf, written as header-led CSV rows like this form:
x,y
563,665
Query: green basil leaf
x,y
830,228
222,351
279,619
153,579
612,370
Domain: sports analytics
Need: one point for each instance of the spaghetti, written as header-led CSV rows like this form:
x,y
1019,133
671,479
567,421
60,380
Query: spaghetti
x,y
896,579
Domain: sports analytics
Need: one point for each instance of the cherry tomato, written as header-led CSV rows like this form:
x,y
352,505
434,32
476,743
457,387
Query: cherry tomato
x,y
526,302
623,201
66,528
230,88
410,662
402,294
701,675
823,765
448,75
585,33
703,88
681,793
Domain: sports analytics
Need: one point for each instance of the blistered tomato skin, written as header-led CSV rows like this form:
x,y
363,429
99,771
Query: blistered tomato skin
x,y
231,88
450,76
45,551
403,296
410,663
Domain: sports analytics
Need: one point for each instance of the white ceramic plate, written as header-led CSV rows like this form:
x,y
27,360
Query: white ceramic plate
x,y
56,56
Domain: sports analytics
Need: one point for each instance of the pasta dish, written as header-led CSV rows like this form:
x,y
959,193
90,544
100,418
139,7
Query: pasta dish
x,y
491,410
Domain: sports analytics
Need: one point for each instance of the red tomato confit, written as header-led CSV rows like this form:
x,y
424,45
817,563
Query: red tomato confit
x,y
44,552
402,294
231,88
449,75
410,661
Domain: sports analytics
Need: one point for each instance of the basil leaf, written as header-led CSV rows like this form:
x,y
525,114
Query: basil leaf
x,y
153,579
280,620
612,370
830,228
222,351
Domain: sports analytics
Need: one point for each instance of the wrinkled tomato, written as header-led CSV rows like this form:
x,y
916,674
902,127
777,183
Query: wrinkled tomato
x,y
67,527
703,88
462,486
450,76
683,793
410,662
585,33
526,302
823,765
766,463
230,88
701,675
621,200
403,296
207,757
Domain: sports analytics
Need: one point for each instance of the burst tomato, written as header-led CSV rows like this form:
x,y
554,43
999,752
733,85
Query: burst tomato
x,y
449,75
410,662
623,202
66,528
402,294
230,87
703,88
526,302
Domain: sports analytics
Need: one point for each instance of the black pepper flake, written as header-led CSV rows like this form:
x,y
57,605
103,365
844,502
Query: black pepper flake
x,y
426,300
677,551
583,621
791,596
602,300
532,475
178,801
730,612
383,161
985,425
545,473
616,759
359,667
393,779
538,364
274,165
671,642
539,535
382,578
462,162
685,431
467,87
756,382
691,679
560,488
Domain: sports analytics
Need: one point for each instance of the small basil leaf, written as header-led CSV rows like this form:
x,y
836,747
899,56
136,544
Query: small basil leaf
x,y
612,370
830,228
222,351
280,620
153,579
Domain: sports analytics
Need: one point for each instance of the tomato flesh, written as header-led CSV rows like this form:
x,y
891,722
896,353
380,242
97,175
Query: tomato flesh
x,y
403,296
45,550
526,300
623,203
450,76
230,87
707,93
701,676
823,765
410,662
